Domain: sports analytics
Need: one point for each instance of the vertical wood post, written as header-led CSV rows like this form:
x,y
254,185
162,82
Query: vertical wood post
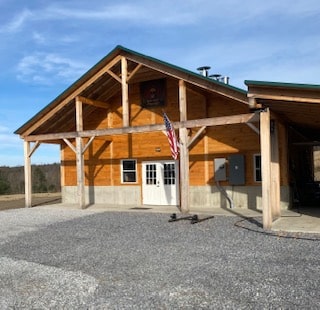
x,y
184,152
275,173
125,92
265,168
27,175
79,156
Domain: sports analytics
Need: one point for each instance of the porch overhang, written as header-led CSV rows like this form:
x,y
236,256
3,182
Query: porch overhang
x,y
298,107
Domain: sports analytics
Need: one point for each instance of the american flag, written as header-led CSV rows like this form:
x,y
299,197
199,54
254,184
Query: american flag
x,y
174,147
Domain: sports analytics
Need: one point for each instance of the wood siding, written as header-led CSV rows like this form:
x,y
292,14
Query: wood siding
x,y
103,157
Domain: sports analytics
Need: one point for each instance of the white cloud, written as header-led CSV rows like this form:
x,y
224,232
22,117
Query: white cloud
x,y
17,22
134,12
165,12
48,68
143,12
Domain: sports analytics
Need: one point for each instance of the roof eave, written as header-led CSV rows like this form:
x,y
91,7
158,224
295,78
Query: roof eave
x,y
281,85
116,51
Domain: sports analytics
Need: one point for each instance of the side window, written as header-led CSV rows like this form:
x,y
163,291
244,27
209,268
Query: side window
x,y
257,167
128,171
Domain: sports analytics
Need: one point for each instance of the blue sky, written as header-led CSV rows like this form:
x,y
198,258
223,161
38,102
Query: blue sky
x,y
47,45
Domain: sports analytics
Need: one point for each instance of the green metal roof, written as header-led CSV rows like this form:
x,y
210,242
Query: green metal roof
x,y
282,85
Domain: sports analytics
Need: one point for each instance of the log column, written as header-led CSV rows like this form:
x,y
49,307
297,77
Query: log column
x,y
27,175
79,156
125,92
184,151
28,151
275,172
266,168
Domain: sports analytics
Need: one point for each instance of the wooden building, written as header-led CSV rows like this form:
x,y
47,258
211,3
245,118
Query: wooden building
x,y
234,145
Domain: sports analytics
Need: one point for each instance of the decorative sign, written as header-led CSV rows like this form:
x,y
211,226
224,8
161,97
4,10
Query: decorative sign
x,y
153,93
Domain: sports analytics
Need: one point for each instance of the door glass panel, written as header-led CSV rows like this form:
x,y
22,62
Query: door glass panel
x,y
151,174
169,174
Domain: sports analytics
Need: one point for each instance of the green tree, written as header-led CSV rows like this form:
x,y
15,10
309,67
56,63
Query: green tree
x,y
39,181
4,185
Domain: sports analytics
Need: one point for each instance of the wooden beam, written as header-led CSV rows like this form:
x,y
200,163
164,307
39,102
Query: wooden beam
x,y
34,148
27,175
265,168
285,98
125,92
182,100
80,173
77,91
275,173
88,144
196,136
254,128
114,76
252,102
184,152
72,147
96,103
79,156
133,72
79,115
198,123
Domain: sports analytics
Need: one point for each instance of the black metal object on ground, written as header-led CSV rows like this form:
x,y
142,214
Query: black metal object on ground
x,y
192,218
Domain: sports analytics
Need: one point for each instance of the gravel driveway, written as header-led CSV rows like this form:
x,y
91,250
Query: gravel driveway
x,y
78,259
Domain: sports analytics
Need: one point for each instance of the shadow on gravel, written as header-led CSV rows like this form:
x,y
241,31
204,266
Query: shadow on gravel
x,y
36,201
255,225
46,202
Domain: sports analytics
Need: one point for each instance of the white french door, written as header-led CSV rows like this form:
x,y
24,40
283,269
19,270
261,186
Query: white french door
x,y
160,183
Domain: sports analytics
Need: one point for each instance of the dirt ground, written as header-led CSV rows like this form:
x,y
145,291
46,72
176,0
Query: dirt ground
x,y
17,201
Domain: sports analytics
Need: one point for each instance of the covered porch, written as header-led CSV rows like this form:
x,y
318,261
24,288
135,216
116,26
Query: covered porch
x,y
297,107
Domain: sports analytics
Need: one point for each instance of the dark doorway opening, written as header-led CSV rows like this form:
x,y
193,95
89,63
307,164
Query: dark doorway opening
x,y
304,165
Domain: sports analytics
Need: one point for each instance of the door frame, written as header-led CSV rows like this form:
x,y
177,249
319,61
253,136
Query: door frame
x,y
175,200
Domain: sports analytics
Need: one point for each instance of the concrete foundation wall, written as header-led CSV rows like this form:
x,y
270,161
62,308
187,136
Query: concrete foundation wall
x,y
248,197
115,195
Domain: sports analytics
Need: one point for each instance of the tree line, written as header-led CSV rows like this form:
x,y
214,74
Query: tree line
x,y
45,179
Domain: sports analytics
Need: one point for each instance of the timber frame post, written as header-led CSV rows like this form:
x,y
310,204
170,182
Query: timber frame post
x,y
125,95
28,151
275,171
27,175
80,156
184,150
266,168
